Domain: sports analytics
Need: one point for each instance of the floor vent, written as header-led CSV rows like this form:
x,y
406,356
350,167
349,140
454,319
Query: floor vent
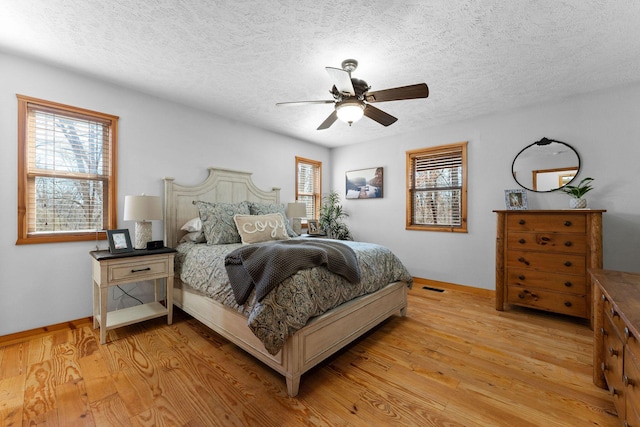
x,y
428,288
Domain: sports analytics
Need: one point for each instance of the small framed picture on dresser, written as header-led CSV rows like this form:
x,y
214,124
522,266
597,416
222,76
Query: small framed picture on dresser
x,y
119,241
515,199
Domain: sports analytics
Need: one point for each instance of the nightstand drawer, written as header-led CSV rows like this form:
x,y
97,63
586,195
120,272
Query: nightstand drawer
x,y
137,270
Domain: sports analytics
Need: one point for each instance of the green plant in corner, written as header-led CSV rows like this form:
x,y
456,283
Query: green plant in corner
x,y
577,191
332,217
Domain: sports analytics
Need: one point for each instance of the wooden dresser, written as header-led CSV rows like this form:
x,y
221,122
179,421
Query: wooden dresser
x,y
616,342
542,257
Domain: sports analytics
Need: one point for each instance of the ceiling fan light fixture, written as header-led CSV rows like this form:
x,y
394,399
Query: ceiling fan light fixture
x,y
350,110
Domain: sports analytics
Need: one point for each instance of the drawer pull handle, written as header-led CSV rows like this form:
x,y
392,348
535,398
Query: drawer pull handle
x,y
567,263
140,269
603,297
627,334
613,352
568,284
567,304
522,241
567,223
628,381
613,312
568,244
521,259
521,277
521,222
603,331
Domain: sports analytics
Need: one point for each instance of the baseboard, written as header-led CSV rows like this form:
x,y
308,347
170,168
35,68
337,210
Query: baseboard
x,y
418,282
32,333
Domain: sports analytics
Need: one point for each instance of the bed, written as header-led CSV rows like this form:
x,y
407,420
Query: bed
x,y
320,337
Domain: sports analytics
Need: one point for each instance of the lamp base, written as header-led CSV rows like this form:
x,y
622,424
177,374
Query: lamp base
x,y
143,234
296,225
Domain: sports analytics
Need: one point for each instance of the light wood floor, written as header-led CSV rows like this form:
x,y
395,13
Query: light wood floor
x,y
453,361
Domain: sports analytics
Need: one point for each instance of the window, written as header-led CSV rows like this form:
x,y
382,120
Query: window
x,y
66,172
437,188
308,185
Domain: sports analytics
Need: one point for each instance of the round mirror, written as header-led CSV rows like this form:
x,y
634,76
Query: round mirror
x,y
545,165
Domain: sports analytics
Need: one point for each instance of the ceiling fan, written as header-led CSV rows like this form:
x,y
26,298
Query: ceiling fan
x,y
352,99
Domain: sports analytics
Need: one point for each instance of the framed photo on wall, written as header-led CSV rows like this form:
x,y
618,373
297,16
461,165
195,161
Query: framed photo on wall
x,y
515,199
119,241
364,183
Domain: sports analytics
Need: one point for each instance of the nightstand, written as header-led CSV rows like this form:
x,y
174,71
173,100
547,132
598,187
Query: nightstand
x,y
131,267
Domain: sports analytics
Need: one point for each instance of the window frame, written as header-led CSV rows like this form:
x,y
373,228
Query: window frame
x,y
435,152
317,196
109,195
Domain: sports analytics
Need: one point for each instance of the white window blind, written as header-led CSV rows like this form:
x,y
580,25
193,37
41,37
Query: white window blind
x,y
308,185
437,187
68,171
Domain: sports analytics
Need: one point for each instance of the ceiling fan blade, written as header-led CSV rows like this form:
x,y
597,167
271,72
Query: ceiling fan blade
x,y
329,121
379,116
342,80
294,103
419,90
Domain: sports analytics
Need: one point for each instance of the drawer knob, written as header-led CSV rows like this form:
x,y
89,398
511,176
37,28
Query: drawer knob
x,y
568,284
567,304
567,223
521,222
603,298
603,331
627,334
567,263
545,239
521,277
521,259
613,391
628,381
140,269
603,366
522,241
521,295
613,352
612,312
568,244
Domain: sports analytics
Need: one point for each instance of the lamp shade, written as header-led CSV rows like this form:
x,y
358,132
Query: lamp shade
x,y
296,210
142,208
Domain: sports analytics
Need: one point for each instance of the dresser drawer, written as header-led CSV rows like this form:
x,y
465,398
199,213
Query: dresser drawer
x,y
555,242
559,223
545,280
615,320
631,378
553,262
543,299
612,365
131,271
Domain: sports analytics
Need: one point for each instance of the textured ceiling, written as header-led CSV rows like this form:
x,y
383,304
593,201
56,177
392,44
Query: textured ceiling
x,y
238,58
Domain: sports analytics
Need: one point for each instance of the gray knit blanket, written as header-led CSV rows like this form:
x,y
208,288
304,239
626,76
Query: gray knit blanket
x,y
265,265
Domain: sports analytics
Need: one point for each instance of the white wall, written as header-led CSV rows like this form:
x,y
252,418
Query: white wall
x,y
603,127
51,283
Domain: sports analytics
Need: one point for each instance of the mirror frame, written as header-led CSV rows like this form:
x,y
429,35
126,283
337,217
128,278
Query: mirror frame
x,y
545,141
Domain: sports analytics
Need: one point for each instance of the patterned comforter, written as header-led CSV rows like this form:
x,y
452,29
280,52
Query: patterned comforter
x,y
297,299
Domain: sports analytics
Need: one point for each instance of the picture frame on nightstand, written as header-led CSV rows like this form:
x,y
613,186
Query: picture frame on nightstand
x,y
119,241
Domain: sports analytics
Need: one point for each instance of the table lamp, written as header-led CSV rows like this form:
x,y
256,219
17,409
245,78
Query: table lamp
x,y
142,209
296,211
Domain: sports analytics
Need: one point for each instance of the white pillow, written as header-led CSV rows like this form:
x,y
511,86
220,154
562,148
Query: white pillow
x,y
192,225
193,236
261,228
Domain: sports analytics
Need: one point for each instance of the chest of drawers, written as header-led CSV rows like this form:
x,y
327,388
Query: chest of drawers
x,y
542,257
616,345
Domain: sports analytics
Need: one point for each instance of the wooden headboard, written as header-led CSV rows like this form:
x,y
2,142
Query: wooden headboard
x,y
222,185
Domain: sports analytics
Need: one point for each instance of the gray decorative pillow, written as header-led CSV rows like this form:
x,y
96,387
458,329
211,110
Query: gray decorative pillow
x,y
217,221
269,208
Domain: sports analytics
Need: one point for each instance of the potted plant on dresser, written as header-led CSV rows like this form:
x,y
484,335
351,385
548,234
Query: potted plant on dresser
x,y
577,193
